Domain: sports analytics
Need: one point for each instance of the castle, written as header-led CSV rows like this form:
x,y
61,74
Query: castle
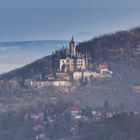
x,y
70,69
69,60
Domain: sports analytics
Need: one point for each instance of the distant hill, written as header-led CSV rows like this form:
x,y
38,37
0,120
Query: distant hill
x,y
120,50
12,54
33,43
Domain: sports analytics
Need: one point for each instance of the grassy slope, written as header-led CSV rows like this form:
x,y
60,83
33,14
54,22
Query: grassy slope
x,y
30,70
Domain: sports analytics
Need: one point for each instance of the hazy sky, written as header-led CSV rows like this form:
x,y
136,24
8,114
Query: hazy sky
x,y
60,19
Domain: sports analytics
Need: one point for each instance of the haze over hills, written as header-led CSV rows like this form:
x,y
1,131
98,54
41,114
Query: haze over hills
x,y
54,87
115,95
12,54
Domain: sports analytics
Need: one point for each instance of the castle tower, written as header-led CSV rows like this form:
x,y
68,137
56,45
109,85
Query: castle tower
x,y
72,47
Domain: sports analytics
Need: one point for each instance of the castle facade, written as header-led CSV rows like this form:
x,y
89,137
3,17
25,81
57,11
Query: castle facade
x,y
71,60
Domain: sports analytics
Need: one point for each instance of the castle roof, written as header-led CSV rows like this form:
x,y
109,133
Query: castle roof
x,y
72,40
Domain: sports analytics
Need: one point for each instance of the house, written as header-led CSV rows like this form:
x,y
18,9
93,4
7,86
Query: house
x,y
41,136
75,110
38,116
38,127
109,114
97,115
103,69
74,130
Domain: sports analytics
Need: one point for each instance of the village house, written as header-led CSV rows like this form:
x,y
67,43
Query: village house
x,y
75,112
103,68
38,127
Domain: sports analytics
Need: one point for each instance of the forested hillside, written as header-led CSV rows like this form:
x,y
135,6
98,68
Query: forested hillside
x,y
120,50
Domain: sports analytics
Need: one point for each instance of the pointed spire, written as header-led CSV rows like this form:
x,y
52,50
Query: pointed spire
x,y
72,47
72,40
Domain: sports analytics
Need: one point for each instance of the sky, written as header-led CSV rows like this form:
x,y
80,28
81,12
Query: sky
x,y
60,19
23,20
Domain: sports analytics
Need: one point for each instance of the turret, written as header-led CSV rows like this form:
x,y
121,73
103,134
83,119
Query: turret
x,y
72,47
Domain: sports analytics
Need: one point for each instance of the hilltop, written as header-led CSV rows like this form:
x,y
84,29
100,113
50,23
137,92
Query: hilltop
x,y
120,50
